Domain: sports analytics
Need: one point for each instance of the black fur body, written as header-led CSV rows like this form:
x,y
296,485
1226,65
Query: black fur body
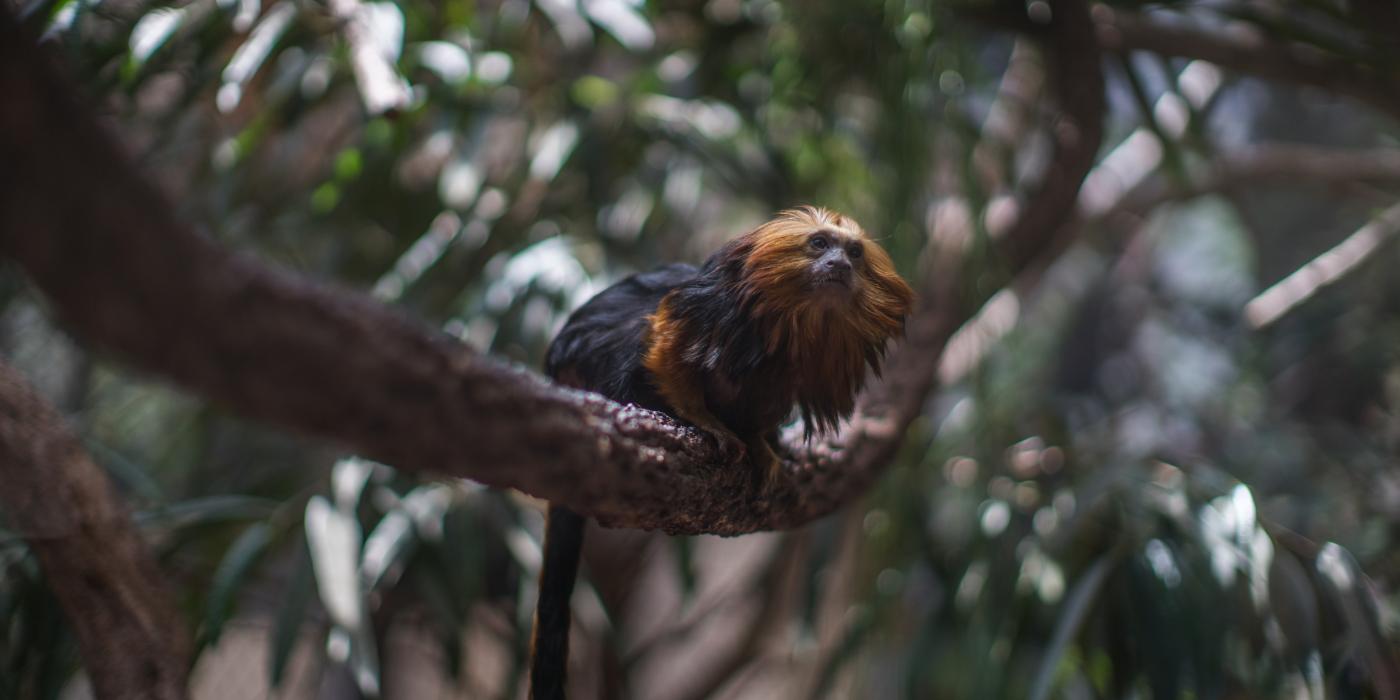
x,y
603,344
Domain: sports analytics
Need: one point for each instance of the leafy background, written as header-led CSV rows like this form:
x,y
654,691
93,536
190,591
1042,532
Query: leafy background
x,y
1127,487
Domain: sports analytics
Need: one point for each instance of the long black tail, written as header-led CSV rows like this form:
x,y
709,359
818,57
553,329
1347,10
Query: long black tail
x,y
549,657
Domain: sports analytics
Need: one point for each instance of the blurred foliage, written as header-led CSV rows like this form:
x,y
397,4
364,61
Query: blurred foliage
x,y
1130,494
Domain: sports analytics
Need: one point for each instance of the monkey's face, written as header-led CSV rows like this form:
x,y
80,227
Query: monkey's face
x,y
833,261
808,258
812,259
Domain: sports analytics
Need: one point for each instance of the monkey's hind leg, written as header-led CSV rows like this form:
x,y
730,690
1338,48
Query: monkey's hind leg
x,y
685,393
767,465
731,448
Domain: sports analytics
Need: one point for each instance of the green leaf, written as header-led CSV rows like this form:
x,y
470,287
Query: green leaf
x,y
334,540
230,575
205,511
1076,610
295,599
385,546
130,474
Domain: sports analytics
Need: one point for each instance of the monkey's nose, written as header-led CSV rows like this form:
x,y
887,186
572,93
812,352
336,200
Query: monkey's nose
x,y
838,265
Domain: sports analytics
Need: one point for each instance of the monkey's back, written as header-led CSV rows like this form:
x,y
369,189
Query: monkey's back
x,y
601,346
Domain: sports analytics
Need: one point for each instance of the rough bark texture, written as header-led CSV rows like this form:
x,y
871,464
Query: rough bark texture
x,y
94,560
127,277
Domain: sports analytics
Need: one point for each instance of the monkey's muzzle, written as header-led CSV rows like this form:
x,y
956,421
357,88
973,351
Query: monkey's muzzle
x,y
833,272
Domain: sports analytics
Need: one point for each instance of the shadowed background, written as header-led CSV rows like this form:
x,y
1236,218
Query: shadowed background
x,y
1160,461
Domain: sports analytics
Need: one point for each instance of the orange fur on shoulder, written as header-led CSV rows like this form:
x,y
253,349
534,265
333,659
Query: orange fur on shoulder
x,y
678,383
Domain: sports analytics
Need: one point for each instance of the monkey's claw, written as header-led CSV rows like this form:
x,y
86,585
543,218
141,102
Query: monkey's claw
x,y
766,463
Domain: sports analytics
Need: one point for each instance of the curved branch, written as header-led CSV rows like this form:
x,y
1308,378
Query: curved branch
x,y
123,273
1107,224
890,406
1265,164
1248,52
132,639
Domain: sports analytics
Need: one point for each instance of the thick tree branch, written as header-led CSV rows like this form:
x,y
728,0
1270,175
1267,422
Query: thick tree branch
x,y
132,639
1248,52
128,277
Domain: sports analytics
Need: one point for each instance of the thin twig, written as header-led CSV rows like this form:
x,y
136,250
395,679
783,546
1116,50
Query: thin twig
x,y
1276,164
1324,270
1246,50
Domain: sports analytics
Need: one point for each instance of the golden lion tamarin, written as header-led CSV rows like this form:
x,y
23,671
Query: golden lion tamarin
x,y
789,314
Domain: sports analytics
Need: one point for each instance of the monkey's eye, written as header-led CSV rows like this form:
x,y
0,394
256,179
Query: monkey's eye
x,y
856,251
819,242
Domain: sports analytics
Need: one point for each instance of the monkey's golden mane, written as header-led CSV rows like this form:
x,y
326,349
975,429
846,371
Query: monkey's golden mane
x,y
763,282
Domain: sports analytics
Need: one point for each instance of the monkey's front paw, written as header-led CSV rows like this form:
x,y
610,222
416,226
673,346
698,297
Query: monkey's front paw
x,y
731,448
